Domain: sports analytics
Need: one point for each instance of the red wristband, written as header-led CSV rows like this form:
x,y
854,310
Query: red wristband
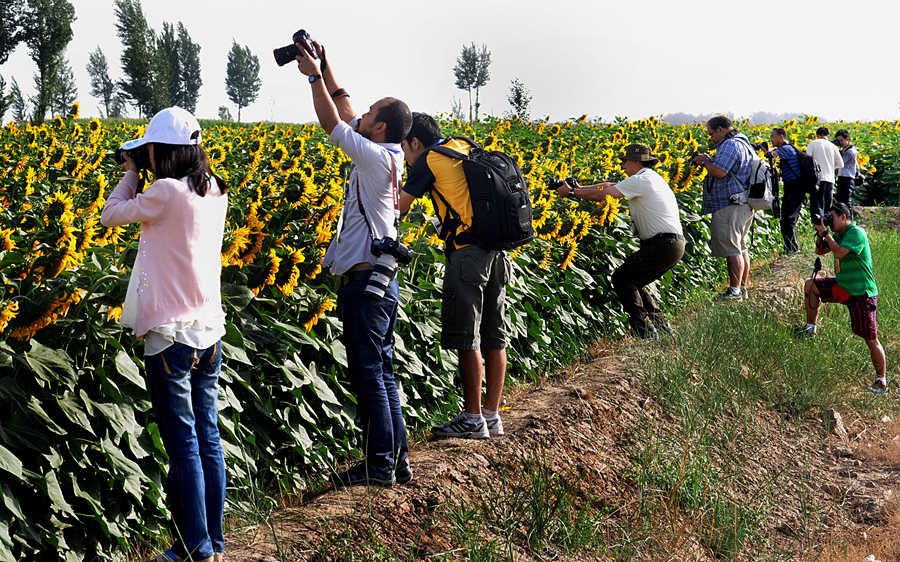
x,y
340,92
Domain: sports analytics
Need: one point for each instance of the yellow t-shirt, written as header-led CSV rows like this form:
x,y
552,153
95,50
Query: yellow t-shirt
x,y
443,178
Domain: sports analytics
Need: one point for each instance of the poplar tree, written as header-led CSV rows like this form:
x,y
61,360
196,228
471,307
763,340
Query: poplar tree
x,y
47,29
242,81
101,85
472,72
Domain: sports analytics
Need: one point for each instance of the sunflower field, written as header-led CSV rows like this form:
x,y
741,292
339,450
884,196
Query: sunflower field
x,y
81,463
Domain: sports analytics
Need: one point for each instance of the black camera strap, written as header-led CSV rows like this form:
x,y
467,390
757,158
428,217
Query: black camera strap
x,y
395,178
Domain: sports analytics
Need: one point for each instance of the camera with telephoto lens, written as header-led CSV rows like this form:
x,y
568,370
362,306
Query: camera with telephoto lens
x,y
390,255
289,53
140,155
555,183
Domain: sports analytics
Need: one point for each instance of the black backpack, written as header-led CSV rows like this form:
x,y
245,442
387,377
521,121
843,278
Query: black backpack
x,y
807,170
501,204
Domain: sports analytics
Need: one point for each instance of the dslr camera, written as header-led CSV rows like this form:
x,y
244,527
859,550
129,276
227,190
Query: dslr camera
x,y
827,219
390,255
555,183
289,53
140,155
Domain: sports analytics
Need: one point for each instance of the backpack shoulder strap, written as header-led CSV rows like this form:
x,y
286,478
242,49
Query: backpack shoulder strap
x,y
450,153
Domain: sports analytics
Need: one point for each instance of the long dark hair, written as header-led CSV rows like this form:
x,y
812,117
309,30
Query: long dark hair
x,y
180,160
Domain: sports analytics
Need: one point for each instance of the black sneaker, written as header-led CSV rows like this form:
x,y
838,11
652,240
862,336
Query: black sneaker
x,y
364,474
661,323
644,330
403,472
803,332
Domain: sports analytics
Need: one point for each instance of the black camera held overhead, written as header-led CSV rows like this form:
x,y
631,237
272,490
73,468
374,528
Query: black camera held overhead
x,y
390,255
289,53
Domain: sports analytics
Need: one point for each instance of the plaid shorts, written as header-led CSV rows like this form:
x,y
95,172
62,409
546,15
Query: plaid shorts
x,y
862,308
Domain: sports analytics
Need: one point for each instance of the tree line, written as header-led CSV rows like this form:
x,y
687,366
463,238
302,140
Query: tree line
x,y
159,68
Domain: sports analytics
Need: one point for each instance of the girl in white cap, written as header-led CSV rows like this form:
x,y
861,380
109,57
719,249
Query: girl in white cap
x,y
174,303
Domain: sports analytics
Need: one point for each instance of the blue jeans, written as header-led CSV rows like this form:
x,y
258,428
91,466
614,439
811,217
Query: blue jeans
x,y
369,340
184,388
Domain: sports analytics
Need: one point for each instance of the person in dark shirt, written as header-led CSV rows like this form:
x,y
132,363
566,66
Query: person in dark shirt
x,y
794,192
473,310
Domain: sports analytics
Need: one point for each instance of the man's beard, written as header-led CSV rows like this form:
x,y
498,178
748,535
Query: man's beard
x,y
364,134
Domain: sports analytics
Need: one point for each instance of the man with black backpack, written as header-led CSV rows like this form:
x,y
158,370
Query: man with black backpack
x,y
800,175
483,205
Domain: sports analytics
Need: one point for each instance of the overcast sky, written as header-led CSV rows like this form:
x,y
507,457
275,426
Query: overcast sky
x,y
836,59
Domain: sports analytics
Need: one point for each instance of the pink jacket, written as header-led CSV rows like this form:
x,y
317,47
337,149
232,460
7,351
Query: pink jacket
x,y
180,248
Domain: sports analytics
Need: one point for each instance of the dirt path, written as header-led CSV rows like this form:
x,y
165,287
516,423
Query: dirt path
x,y
584,422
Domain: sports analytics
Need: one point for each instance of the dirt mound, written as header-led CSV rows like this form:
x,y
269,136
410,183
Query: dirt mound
x,y
879,217
582,425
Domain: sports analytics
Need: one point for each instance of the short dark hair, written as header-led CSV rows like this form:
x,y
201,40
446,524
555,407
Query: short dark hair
x,y
843,133
841,209
396,115
425,128
822,132
779,131
180,160
719,121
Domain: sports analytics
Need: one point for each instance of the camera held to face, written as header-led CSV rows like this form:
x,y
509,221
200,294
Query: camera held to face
x,y
140,155
390,255
289,53
827,219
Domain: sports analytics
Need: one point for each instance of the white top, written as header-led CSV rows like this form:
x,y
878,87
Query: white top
x,y
828,156
370,176
654,209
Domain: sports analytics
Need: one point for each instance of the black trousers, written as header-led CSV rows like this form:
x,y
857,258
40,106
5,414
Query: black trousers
x,y
844,190
656,256
791,203
824,196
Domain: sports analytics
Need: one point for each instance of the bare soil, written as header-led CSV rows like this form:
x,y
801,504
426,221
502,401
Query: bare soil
x,y
585,421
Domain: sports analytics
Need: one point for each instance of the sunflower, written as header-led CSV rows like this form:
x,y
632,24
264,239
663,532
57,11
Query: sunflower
x,y
324,306
6,241
279,152
74,110
94,125
8,314
59,209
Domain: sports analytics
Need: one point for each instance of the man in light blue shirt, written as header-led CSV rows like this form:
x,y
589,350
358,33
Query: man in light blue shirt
x,y
728,177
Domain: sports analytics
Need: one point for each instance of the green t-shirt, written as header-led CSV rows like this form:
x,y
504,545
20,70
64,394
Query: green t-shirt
x,y
854,271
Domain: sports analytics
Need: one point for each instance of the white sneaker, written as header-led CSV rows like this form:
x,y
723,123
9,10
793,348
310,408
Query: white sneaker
x,y
494,425
462,426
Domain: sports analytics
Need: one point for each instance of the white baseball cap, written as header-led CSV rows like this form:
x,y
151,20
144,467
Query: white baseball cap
x,y
172,125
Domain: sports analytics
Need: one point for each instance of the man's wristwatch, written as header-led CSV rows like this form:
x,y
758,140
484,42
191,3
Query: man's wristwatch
x,y
314,77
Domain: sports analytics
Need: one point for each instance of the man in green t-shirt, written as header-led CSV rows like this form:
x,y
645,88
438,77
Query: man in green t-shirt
x,y
852,285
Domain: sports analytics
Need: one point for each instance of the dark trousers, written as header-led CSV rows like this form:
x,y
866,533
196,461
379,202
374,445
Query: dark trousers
x,y
844,190
369,340
656,256
824,196
791,203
